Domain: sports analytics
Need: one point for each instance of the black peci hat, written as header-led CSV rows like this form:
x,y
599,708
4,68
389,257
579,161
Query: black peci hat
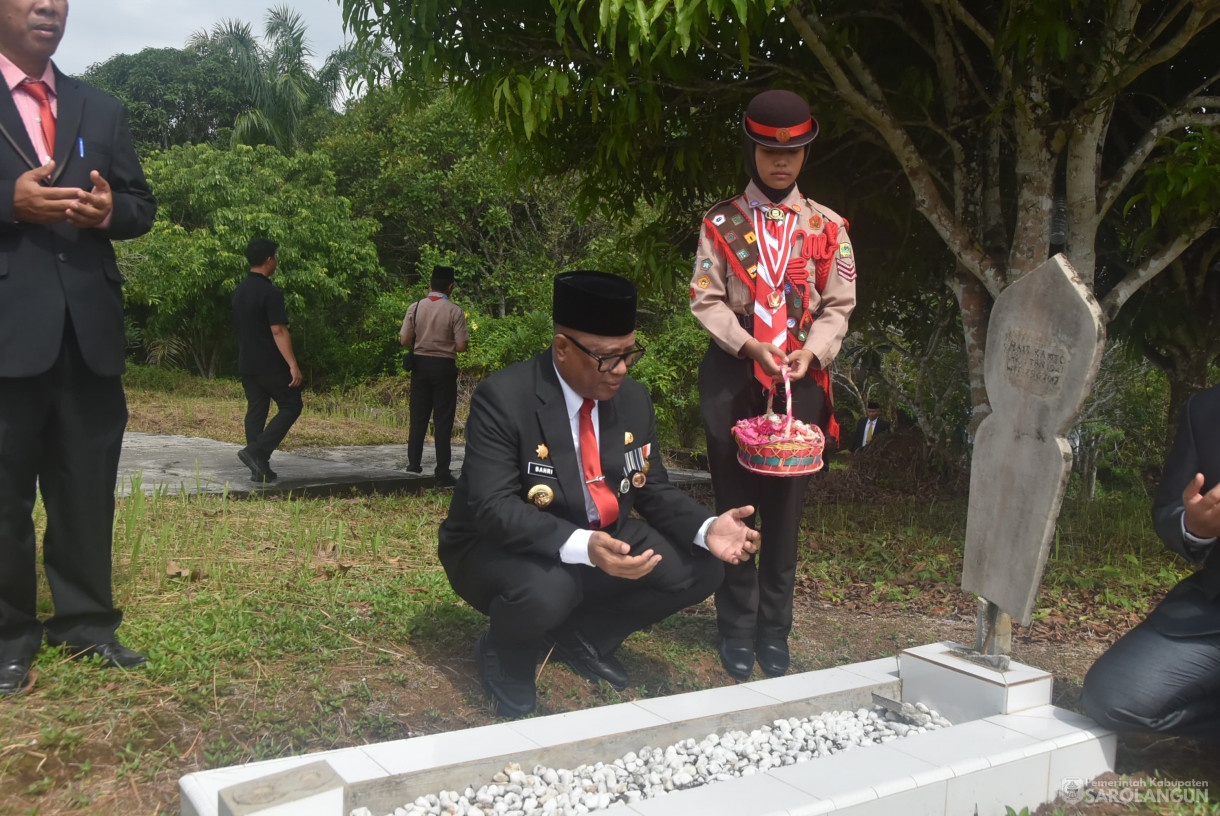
x,y
594,302
779,119
442,276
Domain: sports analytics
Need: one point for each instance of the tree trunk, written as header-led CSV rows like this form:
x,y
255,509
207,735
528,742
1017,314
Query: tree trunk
x,y
975,305
1187,376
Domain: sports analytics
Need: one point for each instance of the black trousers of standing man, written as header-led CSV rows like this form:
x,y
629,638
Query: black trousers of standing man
x,y
62,430
433,396
755,600
263,437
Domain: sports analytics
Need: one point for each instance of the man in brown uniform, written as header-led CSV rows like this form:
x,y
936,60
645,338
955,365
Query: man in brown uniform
x,y
774,283
435,328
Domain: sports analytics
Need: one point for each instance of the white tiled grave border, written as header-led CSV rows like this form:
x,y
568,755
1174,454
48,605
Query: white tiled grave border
x,y
1008,747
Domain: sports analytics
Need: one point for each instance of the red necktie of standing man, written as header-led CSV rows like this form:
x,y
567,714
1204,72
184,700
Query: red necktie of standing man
x,y
590,463
38,89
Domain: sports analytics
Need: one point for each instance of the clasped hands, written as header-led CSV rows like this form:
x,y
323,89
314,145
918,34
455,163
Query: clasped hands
x,y
771,358
1202,509
728,538
36,203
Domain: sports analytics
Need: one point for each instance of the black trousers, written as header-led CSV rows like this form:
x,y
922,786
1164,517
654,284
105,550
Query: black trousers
x,y
527,596
433,396
1151,680
755,600
61,433
263,437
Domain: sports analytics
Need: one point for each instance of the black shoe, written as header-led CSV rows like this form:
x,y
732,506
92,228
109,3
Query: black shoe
x,y
114,655
445,480
513,694
572,648
271,474
14,674
737,657
258,471
414,469
773,656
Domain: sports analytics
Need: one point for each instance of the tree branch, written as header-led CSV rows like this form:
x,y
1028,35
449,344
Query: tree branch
x,y
1152,266
1188,114
869,104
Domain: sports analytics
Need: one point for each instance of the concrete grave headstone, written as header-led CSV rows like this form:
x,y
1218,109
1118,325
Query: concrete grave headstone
x,y
1044,344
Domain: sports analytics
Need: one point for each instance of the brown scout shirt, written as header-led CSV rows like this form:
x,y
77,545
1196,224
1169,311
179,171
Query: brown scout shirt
x,y
718,296
437,326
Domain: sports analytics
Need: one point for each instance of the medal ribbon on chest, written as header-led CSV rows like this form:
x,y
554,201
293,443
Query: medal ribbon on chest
x,y
775,230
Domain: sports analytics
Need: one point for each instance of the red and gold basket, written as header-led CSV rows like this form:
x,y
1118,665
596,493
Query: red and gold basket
x,y
777,446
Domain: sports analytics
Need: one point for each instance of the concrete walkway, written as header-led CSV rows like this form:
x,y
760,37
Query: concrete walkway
x,y
186,464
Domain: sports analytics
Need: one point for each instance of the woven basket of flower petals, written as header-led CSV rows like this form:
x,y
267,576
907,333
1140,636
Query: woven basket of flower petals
x,y
775,445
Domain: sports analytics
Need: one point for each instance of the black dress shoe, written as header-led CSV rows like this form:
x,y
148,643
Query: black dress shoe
x,y
258,471
773,656
511,689
414,469
574,649
737,657
271,474
445,480
114,655
14,674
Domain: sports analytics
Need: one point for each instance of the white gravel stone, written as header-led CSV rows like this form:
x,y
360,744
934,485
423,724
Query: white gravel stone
x,y
652,772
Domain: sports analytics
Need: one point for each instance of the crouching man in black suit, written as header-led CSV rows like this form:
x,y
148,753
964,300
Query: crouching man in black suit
x,y
559,450
1164,675
70,182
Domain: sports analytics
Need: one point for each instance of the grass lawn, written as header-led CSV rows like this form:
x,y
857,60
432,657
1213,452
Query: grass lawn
x,y
279,626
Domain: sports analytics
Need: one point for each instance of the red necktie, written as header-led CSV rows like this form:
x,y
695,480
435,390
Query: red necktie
x,y
38,89
590,463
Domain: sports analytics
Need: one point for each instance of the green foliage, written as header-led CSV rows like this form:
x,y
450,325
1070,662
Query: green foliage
x,y
173,96
181,274
670,370
1119,434
499,342
277,75
432,177
1185,181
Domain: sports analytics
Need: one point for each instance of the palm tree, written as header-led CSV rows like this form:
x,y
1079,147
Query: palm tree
x,y
282,83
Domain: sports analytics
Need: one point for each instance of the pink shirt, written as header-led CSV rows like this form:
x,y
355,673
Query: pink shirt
x,y
27,106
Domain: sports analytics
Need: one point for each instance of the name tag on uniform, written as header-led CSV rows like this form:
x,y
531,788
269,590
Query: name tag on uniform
x,y
539,469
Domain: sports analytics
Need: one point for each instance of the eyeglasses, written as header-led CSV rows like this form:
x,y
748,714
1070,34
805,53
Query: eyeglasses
x,y
610,362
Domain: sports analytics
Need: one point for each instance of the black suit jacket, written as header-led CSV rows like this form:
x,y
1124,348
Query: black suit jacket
x,y
518,436
857,438
48,270
1192,607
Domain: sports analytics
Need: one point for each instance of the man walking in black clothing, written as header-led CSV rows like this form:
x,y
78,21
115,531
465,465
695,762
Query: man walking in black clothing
x,y
265,360
435,329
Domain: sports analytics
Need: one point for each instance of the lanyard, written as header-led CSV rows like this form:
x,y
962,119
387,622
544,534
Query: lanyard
x,y
773,258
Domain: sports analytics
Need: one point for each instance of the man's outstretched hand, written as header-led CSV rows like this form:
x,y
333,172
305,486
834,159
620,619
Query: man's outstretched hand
x,y
1202,509
730,539
91,208
614,557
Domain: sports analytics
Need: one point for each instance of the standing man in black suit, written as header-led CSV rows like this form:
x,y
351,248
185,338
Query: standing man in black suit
x,y
1164,675
559,450
869,427
265,360
70,182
